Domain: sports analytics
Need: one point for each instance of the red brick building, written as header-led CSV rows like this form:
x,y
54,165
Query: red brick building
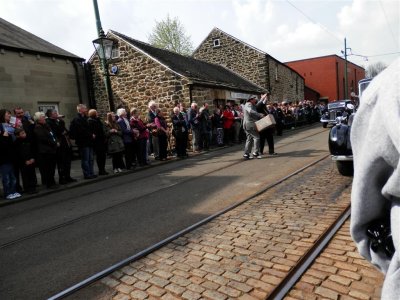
x,y
325,75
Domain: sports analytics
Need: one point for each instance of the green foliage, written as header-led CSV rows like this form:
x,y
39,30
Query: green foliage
x,y
169,34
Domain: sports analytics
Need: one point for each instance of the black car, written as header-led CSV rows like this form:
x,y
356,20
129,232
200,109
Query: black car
x,y
335,111
339,136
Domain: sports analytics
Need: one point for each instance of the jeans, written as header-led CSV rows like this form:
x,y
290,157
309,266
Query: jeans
x,y
8,178
196,137
87,161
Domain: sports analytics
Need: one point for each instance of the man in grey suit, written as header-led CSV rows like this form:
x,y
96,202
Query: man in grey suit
x,y
252,136
375,197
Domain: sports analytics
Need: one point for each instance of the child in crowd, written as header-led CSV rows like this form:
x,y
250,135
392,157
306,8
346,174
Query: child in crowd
x,y
26,161
6,160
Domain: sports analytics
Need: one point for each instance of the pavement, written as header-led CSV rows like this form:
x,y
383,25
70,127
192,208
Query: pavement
x,y
76,173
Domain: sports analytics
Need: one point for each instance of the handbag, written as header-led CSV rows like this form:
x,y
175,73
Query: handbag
x,y
115,144
154,132
380,236
266,122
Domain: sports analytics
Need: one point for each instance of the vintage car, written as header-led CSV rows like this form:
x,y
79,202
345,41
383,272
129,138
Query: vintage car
x,y
339,136
335,111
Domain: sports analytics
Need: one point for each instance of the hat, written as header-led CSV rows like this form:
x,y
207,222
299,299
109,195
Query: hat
x,y
252,97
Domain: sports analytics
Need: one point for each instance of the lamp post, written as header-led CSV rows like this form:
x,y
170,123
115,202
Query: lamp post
x,y
103,46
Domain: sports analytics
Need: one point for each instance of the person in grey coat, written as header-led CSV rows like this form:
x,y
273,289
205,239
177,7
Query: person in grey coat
x,y
252,136
375,139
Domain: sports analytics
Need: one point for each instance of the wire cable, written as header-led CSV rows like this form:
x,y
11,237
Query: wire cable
x,y
317,23
387,22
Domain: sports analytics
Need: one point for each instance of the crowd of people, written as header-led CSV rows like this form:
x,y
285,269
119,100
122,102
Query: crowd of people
x,y
45,142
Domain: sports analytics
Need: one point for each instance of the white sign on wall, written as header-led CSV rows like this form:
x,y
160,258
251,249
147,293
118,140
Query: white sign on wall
x,y
239,95
44,106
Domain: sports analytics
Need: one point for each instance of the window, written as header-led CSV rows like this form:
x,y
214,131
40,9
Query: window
x,y
216,43
276,72
44,106
115,53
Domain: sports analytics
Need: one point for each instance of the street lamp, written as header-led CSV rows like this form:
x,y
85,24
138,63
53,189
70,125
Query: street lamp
x,y
103,46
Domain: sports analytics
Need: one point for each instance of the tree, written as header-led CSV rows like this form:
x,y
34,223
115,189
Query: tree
x,y
374,69
169,34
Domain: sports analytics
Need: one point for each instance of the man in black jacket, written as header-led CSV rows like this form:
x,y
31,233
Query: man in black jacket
x,y
83,136
64,151
100,145
268,133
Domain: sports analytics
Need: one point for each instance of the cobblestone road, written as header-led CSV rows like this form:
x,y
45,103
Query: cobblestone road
x,y
246,252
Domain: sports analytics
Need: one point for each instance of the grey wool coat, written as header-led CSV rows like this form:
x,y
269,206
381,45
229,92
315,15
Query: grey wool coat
x,y
375,138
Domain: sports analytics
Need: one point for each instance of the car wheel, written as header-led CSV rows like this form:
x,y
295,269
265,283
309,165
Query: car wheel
x,y
345,168
324,124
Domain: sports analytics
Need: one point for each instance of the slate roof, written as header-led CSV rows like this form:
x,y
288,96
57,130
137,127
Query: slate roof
x,y
16,38
198,71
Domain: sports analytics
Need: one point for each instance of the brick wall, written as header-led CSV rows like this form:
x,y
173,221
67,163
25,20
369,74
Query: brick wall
x,y
326,75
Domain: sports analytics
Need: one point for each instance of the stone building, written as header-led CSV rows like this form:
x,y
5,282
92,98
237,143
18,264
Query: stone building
x,y
37,75
283,82
145,73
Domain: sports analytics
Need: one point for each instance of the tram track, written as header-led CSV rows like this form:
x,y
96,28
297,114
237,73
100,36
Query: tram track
x,y
69,222
282,289
277,294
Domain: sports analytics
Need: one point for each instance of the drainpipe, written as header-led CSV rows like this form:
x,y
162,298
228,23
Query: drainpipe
x,y
190,93
89,85
78,83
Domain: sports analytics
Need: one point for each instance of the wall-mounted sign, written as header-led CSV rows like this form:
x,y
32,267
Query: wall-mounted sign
x,y
114,70
239,95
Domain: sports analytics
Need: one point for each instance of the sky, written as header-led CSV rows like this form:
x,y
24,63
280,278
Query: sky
x,y
286,29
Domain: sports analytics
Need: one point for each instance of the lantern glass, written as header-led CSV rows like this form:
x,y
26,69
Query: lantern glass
x,y
103,47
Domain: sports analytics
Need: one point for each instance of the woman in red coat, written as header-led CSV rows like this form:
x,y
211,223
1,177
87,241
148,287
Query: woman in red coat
x,y
228,119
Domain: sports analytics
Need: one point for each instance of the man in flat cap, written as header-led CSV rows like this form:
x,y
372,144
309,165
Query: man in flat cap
x,y
252,136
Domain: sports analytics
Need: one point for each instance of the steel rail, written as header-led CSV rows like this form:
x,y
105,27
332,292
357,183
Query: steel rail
x,y
83,217
308,258
162,243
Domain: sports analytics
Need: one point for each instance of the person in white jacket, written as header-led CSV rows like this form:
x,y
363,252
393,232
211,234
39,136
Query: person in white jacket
x,y
375,139
249,125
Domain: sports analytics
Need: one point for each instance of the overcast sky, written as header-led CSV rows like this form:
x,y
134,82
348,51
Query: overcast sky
x,y
286,29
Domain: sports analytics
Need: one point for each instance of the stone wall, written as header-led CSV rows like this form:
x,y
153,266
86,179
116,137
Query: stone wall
x,y
234,55
286,85
32,80
140,79
254,65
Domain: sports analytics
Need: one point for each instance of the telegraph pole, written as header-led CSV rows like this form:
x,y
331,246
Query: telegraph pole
x,y
345,70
